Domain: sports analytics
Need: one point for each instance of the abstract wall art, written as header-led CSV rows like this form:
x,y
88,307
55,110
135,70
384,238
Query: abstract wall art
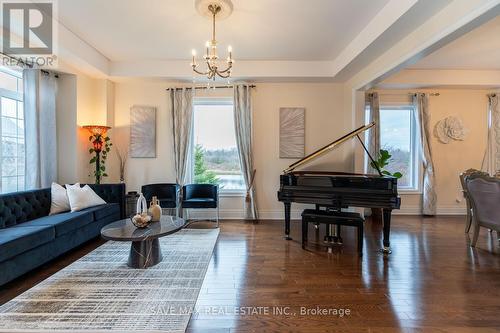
x,y
292,132
142,131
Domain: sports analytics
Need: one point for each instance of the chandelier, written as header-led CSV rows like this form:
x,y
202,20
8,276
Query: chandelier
x,y
212,8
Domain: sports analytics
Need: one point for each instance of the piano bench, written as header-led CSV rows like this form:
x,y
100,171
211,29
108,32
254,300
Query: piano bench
x,y
332,217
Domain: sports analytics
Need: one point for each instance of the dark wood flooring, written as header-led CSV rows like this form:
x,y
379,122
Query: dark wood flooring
x,y
433,281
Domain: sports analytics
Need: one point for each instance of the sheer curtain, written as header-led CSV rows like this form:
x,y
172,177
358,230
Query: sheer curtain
x,y
420,103
243,128
491,160
181,101
40,128
373,138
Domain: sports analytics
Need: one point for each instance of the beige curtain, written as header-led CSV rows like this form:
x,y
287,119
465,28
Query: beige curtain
x,y
243,128
181,101
491,160
423,116
373,139
40,91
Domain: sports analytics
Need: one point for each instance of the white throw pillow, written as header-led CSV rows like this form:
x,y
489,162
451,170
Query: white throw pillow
x,y
82,197
59,201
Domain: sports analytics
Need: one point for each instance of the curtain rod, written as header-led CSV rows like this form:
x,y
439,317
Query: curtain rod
x,y
48,73
213,87
27,64
396,94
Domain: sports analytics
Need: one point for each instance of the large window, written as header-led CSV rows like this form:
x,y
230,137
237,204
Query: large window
x,y
215,154
11,131
399,135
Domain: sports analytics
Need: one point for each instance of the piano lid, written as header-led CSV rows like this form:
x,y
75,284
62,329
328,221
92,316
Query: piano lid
x,y
329,147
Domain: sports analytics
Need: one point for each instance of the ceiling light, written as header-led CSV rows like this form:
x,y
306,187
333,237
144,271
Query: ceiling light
x,y
214,9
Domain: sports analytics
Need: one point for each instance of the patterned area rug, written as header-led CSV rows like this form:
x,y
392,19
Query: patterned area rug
x,y
99,293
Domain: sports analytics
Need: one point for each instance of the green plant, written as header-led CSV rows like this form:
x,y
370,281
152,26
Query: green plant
x,y
101,146
201,174
382,161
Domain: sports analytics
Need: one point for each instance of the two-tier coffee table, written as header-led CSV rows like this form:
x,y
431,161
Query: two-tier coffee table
x,y
145,250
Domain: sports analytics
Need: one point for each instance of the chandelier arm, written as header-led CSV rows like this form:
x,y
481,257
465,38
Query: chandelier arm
x,y
198,72
210,68
224,74
226,70
228,75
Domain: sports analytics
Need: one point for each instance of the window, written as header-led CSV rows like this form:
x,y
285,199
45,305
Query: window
x,y
215,155
11,131
399,135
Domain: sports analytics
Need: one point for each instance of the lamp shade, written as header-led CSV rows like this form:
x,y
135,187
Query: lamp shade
x,y
96,129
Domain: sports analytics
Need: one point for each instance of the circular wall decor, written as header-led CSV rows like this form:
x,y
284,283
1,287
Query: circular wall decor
x,y
450,128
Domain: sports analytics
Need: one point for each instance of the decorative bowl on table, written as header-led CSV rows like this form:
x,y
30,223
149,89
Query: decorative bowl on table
x,y
141,220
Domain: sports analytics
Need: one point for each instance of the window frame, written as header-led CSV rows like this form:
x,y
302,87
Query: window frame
x,y
213,101
18,97
416,155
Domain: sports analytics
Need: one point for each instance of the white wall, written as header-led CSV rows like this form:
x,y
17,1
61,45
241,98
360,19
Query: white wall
x,y
325,121
66,120
81,100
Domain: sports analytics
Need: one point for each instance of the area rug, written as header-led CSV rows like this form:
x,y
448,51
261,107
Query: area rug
x,y
100,293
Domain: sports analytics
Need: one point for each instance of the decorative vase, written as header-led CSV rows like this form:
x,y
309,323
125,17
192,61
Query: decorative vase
x,y
155,210
141,219
142,205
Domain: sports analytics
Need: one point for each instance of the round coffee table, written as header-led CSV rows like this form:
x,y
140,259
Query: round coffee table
x,y
145,250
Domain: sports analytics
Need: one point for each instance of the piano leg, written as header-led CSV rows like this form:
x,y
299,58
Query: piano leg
x,y
287,220
387,231
338,234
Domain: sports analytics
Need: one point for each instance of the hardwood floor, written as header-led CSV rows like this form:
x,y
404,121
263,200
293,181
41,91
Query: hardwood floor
x,y
433,281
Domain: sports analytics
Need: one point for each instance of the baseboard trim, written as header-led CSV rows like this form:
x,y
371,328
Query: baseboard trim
x,y
278,214
412,210
440,210
224,214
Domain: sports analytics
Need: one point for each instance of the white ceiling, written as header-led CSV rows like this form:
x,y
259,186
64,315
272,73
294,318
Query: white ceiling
x,y
413,18
131,30
476,50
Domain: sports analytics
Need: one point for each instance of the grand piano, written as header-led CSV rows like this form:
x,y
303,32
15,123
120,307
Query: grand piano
x,y
337,190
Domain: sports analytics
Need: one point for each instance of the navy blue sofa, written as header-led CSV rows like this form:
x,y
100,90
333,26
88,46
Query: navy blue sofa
x,y
29,237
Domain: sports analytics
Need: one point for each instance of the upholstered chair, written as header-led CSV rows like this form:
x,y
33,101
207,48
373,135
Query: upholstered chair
x,y
201,196
463,176
167,194
484,195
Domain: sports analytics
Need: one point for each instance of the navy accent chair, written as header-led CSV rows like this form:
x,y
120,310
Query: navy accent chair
x,y
167,194
201,196
29,237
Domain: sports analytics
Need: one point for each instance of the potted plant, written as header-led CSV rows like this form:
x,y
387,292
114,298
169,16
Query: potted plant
x,y
383,160
384,157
